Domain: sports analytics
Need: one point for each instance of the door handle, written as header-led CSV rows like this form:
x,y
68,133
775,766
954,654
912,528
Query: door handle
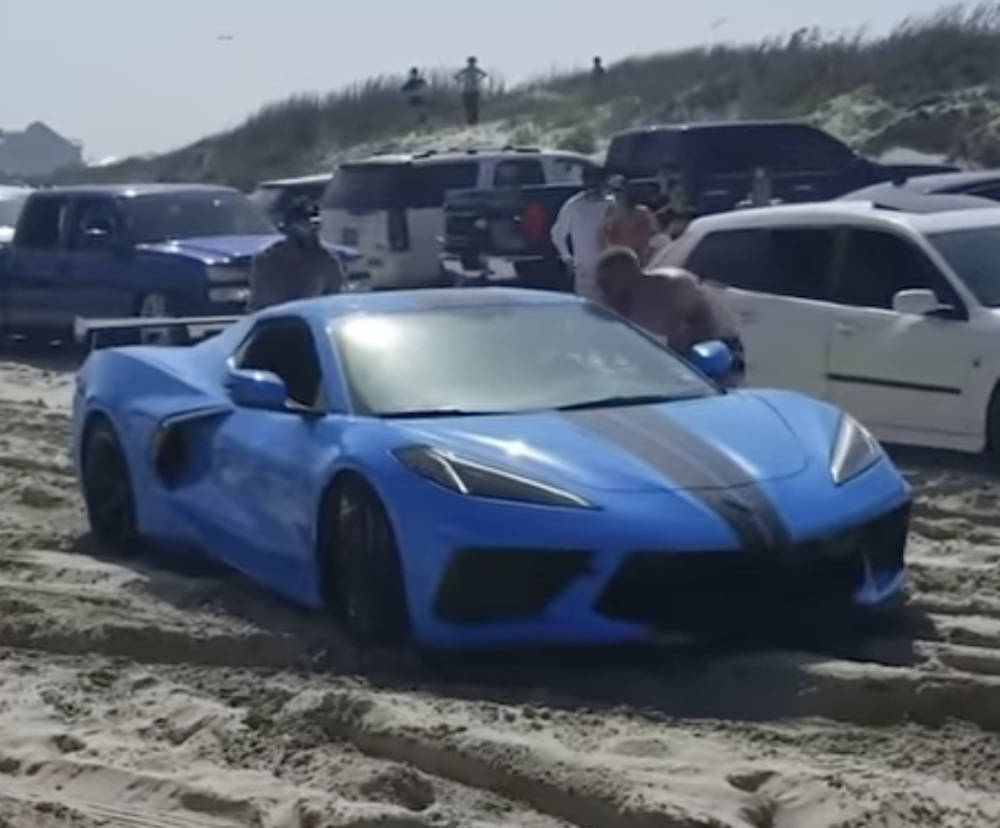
x,y
748,316
844,329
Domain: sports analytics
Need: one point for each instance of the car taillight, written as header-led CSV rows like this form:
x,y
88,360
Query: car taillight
x,y
534,221
398,231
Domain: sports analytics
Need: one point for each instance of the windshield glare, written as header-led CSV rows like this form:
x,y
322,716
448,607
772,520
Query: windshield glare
x,y
502,359
974,255
157,218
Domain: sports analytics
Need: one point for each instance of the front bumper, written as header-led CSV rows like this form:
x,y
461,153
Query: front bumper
x,y
501,576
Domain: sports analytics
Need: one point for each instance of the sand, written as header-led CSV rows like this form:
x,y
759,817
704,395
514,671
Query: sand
x,y
135,696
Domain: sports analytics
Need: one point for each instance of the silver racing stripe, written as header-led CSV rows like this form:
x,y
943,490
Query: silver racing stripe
x,y
694,465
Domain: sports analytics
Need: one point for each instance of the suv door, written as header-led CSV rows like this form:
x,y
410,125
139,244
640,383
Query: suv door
x,y
775,282
901,375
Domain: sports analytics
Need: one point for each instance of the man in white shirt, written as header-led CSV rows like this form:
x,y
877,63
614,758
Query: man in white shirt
x,y
576,232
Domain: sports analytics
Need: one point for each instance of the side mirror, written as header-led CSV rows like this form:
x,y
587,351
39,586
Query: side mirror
x,y
713,359
257,389
916,302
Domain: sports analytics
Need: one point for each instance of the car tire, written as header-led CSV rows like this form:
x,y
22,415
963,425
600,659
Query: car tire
x,y
107,492
158,306
364,583
992,435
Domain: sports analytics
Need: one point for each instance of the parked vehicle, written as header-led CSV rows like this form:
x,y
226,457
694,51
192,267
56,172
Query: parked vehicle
x,y
11,202
275,197
894,317
147,250
715,162
979,183
391,208
461,468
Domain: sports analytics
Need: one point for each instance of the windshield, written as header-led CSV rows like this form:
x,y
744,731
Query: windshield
x,y
974,255
191,215
505,358
10,209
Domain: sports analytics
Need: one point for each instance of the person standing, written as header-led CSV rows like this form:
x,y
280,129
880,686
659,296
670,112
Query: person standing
x,y
415,90
577,229
629,224
296,267
471,78
597,73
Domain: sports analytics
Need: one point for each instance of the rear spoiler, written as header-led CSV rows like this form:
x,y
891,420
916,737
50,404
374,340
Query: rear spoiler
x,y
196,327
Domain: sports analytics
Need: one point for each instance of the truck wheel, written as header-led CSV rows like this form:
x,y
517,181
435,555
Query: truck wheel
x,y
158,306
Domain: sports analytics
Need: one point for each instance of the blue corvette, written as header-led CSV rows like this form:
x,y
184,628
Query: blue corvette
x,y
475,467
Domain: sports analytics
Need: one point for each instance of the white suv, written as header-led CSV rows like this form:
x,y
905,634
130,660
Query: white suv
x,y
894,317
390,207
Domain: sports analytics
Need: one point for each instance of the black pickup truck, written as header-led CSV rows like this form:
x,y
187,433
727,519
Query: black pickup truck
x,y
504,234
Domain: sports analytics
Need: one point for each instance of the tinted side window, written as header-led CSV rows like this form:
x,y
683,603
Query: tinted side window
x,y
803,262
643,153
519,173
781,148
738,258
364,187
786,262
286,347
41,224
878,265
566,171
990,191
427,184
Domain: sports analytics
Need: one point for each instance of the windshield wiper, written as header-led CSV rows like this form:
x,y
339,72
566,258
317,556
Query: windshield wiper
x,y
637,399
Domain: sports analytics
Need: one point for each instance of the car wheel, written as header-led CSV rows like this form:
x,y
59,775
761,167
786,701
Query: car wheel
x,y
365,577
157,306
107,492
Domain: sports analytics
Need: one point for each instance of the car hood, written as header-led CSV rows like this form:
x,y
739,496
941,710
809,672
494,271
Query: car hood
x,y
716,442
212,250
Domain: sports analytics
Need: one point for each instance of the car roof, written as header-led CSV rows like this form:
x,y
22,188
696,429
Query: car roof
x,y
855,213
132,190
711,126
328,308
320,178
8,191
458,154
919,184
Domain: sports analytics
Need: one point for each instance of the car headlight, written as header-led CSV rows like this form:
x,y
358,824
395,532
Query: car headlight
x,y
475,479
854,450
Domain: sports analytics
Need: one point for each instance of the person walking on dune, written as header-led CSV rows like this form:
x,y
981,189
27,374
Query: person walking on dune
x,y
471,78
415,90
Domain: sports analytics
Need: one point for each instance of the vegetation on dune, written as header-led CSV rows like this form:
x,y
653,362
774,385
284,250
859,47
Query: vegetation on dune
x,y
933,84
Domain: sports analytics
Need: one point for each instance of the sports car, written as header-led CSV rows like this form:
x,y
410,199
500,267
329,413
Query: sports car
x,y
487,466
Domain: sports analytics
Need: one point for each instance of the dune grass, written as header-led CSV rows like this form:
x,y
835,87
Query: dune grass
x,y
932,84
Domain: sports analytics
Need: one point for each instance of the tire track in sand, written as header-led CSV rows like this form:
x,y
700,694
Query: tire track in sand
x,y
746,739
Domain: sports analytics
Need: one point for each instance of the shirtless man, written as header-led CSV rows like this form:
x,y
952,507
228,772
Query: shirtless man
x,y
669,303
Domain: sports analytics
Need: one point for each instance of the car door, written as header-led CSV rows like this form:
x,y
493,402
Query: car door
x,y
904,376
97,278
260,505
775,283
37,265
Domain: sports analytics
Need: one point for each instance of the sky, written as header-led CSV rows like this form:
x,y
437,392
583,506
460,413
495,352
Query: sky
x,y
136,76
